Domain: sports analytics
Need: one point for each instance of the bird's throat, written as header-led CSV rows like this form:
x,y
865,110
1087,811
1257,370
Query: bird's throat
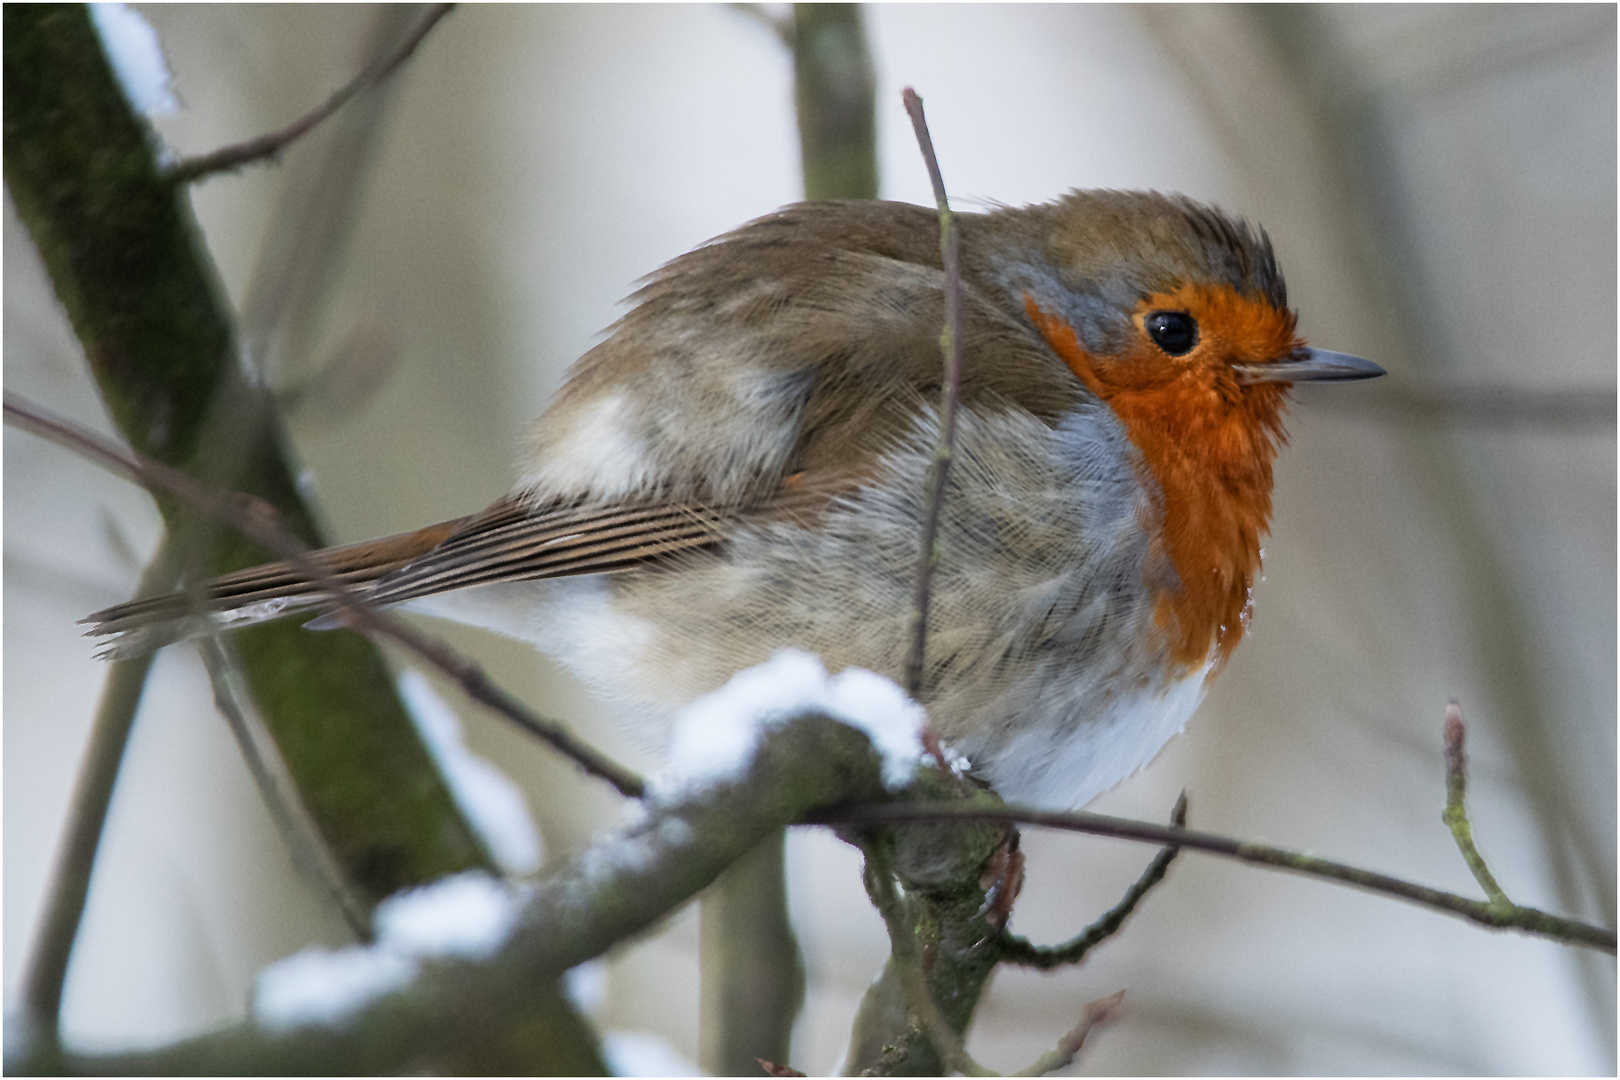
x,y
1208,452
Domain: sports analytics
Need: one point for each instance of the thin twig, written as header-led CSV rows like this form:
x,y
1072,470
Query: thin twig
x,y
1019,950
1530,920
87,816
1455,815
276,786
1068,1047
259,522
233,157
951,345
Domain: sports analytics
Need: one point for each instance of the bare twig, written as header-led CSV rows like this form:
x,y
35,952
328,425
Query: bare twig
x,y
1455,815
1529,920
1068,1047
233,157
1019,950
258,521
951,345
277,787
92,795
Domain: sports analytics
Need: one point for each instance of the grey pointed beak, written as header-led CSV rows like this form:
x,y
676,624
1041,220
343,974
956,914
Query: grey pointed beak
x,y
1310,365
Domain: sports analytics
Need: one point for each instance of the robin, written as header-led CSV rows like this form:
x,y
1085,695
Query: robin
x,y
740,466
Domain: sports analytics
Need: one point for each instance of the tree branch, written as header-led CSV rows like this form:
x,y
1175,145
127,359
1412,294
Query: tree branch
x,y
620,886
834,92
233,157
921,1009
1019,950
1527,919
124,258
259,521
87,815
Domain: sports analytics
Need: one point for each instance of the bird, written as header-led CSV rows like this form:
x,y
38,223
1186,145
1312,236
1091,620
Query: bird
x,y
740,466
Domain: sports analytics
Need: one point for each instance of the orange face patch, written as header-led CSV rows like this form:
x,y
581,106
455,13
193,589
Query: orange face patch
x,y
1208,442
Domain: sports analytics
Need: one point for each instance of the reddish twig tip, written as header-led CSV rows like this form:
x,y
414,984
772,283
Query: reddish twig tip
x,y
1456,732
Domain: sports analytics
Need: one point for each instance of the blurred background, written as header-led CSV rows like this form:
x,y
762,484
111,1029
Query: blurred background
x,y
1440,184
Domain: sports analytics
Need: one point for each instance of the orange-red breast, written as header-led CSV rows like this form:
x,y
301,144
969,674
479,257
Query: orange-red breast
x,y
740,467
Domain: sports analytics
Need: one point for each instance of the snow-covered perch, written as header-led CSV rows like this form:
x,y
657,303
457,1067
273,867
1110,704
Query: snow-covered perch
x,y
621,885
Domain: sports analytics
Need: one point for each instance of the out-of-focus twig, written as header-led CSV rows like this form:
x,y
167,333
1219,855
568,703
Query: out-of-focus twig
x,y
46,972
278,789
258,521
781,26
233,157
834,91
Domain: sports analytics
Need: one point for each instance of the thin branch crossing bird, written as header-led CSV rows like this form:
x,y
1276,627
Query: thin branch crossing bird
x,y
740,467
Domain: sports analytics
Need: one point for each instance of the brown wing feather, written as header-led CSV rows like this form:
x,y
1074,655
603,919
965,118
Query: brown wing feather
x,y
509,541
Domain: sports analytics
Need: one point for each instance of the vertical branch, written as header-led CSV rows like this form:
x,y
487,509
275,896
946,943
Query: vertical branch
x,y
833,88
752,968
753,973
122,251
907,966
117,237
87,815
951,345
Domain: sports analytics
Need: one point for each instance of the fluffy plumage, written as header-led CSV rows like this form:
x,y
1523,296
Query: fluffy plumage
x,y
740,465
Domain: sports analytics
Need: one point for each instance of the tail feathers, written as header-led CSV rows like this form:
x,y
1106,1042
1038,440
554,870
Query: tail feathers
x,y
124,636
512,540
256,595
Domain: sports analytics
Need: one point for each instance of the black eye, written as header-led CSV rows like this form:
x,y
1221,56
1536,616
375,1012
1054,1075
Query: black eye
x,y
1175,332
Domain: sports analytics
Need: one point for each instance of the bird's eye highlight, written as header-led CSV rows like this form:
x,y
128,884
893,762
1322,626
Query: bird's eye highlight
x,y
1175,332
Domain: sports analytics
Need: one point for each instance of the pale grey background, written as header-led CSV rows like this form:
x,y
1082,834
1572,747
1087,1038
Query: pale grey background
x,y
1440,183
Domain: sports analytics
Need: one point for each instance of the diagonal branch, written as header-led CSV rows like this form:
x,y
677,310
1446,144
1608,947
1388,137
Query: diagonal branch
x,y
259,522
233,157
46,972
277,786
1527,919
618,887
124,256
1019,950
